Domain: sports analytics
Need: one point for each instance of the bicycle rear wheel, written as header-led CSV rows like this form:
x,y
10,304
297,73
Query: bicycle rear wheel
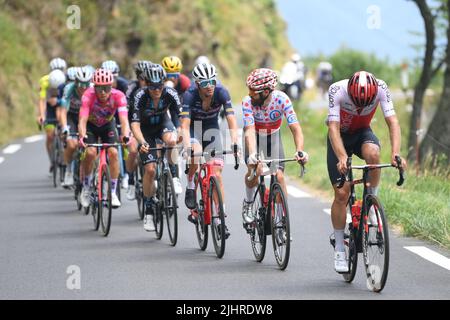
x,y
170,208
350,235
105,205
281,234
201,228
258,235
217,218
375,245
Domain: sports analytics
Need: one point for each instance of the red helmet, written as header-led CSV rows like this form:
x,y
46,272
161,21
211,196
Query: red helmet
x,y
362,88
103,77
262,79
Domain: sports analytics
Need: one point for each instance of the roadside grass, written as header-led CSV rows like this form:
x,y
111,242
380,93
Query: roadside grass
x,y
420,208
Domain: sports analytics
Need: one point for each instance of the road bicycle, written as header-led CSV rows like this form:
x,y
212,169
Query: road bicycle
x,y
365,234
100,206
271,215
209,198
166,198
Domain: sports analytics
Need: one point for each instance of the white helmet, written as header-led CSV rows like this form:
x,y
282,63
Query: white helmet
x,y
58,64
56,78
91,68
202,59
84,74
296,57
112,66
204,71
71,72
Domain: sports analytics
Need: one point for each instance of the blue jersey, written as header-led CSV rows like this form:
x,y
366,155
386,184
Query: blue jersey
x,y
192,105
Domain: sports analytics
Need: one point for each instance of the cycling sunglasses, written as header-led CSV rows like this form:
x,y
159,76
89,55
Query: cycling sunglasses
x,y
100,89
205,83
83,85
154,86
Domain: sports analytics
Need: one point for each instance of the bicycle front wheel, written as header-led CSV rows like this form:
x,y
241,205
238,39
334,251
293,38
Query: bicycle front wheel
x,y
217,218
170,208
139,193
158,214
281,234
201,228
55,164
350,235
375,244
105,204
258,234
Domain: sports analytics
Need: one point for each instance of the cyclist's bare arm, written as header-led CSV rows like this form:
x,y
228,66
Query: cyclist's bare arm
x,y
250,138
125,127
41,110
395,137
297,133
334,133
82,122
232,125
136,129
63,117
185,132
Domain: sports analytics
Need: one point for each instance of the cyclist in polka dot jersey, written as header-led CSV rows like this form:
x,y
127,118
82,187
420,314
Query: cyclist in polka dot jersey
x,y
263,111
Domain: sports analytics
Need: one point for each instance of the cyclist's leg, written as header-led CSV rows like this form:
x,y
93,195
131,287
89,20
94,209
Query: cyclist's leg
x,y
212,139
169,137
50,136
87,165
71,147
368,148
149,163
109,135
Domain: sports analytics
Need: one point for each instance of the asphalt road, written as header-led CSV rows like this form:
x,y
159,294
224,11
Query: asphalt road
x,y
42,235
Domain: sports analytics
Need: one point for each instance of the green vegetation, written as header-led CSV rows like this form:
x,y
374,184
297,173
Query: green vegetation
x,y
228,32
421,207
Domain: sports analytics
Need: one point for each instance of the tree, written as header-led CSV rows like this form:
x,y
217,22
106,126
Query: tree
x,y
437,138
426,75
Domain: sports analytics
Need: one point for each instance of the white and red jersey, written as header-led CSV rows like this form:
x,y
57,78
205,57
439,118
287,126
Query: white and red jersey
x,y
267,119
342,109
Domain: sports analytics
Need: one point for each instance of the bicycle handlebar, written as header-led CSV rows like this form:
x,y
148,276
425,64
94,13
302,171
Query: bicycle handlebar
x,y
269,163
398,160
213,153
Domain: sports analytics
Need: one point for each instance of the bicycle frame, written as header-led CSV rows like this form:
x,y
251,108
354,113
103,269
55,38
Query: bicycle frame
x,y
206,172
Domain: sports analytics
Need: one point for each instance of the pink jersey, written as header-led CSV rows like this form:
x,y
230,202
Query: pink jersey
x,y
343,110
100,114
267,119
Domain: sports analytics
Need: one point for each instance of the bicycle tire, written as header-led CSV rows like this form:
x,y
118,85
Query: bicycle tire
x,y
217,212
55,161
201,228
376,278
258,237
170,208
158,218
139,192
279,222
94,207
350,236
105,204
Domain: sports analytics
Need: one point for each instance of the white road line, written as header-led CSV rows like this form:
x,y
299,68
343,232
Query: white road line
x,y
12,148
35,138
2,159
349,217
297,193
431,256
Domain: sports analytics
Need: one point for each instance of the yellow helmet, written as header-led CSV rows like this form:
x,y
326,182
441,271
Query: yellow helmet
x,y
172,64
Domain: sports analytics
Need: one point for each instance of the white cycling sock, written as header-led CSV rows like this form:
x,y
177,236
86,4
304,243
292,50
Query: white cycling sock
x,y
339,236
191,184
372,190
87,181
250,193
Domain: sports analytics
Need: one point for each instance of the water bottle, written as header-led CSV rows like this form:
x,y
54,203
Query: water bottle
x,y
356,213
